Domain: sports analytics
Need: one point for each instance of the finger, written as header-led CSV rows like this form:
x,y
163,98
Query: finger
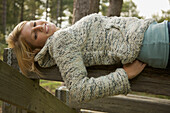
x,y
126,65
136,61
144,65
141,63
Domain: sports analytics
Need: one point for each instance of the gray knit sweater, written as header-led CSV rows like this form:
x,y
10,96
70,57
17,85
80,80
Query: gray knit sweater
x,y
94,40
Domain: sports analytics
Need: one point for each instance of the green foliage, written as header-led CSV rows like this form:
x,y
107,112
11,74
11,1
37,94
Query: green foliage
x,y
65,5
103,7
2,45
165,16
50,85
0,106
129,9
33,9
1,13
53,9
13,9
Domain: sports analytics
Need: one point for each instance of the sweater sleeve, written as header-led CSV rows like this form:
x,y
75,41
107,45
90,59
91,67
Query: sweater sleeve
x,y
69,59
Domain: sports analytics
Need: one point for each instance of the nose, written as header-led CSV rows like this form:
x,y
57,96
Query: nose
x,y
38,27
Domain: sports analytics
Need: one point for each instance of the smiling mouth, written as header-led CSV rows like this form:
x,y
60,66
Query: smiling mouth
x,y
46,28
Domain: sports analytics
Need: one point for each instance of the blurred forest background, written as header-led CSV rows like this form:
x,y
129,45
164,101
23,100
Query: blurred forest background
x,y
62,12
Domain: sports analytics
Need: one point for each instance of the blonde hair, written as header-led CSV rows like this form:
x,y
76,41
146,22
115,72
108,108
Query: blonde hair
x,y
24,53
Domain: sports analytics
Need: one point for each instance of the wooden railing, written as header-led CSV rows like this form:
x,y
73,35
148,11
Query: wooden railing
x,y
26,94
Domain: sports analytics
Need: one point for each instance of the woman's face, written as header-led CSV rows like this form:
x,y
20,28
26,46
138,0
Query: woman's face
x,y
36,32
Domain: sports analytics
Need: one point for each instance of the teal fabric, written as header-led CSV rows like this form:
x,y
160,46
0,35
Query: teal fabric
x,y
155,46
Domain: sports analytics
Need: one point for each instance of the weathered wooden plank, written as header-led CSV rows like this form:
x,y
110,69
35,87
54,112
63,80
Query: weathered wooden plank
x,y
122,104
155,81
134,104
9,108
23,92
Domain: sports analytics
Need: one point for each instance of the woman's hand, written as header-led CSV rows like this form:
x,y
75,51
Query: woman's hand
x,y
133,69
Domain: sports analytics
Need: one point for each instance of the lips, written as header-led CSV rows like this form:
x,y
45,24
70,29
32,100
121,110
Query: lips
x,y
46,28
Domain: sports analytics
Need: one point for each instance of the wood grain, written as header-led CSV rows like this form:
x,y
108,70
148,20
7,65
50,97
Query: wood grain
x,y
25,93
122,104
151,80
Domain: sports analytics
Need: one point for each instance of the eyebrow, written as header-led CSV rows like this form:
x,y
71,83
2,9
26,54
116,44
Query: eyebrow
x,y
31,26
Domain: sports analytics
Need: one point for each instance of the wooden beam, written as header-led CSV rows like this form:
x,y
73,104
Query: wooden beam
x,y
121,104
127,104
151,80
25,93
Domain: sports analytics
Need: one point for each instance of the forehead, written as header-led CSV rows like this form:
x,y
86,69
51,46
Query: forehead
x,y
26,32
26,29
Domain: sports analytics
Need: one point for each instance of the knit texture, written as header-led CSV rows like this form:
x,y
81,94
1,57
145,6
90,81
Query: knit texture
x,y
94,40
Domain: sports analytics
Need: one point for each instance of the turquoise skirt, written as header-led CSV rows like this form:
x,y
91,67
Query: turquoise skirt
x,y
155,47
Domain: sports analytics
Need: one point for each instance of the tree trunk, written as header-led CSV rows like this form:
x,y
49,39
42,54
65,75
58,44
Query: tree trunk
x,y
4,16
22,10
115,7
58,11
46,10
83,8
14,12
61,13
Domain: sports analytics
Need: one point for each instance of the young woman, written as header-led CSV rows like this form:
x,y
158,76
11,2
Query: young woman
x,y
93,40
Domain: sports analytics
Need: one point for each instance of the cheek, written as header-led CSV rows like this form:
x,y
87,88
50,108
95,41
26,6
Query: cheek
x,y
53,29
43,39
42,36
40,43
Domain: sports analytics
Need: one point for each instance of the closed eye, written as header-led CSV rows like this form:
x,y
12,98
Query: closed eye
x,y
35,31
35,24
35,35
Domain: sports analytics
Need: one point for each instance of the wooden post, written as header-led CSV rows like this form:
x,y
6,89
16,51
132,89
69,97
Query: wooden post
x,y
62,93
6,107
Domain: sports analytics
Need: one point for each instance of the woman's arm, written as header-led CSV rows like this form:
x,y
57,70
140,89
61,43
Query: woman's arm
x,y
68,57
81,87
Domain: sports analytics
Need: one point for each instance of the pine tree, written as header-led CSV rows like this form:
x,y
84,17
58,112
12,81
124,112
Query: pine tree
x,y
115,7
84,7
129,9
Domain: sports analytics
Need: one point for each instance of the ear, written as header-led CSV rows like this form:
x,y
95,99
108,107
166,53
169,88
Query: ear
x,y
57,28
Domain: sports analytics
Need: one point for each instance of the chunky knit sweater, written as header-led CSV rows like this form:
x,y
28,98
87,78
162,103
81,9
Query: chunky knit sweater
x,y
94,40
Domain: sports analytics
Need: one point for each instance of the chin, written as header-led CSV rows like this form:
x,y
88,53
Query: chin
x,y
53,27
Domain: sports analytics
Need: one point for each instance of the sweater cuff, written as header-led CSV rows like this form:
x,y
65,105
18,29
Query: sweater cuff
x,y
125,81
